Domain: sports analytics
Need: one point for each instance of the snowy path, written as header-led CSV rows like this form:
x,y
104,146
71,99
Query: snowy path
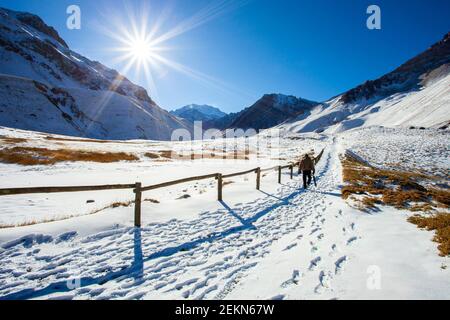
x,y
305,264
212,254
291,244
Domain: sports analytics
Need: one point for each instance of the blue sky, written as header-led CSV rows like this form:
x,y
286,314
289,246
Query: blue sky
x,y
313,49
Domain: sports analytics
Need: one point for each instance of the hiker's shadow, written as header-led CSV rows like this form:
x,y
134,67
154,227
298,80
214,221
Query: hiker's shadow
x,y
243,221
283,200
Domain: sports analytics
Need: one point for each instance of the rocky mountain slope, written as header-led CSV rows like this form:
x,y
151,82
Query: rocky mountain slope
x,y
45,86
269,111
415,94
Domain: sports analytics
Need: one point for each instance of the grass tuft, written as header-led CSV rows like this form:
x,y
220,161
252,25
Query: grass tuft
x,y
440,223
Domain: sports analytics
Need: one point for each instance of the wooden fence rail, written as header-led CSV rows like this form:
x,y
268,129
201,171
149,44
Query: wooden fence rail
x,y
239,173
138,189
15,191
172,183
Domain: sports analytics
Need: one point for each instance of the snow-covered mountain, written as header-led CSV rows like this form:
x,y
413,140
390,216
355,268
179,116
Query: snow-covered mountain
x,y
415,94
196,112
45,86
269,111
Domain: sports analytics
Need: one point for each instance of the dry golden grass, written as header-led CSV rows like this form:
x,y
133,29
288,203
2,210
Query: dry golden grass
x,y
168,154
227,183
400,189
9,140
29,156
424,207
152,155
441,196
370,202
440,223
77,140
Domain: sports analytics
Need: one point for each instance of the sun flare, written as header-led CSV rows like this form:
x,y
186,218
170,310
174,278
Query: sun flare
x,y
141,50
142,47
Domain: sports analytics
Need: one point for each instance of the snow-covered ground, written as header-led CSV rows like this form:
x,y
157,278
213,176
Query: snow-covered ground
x,y
424,150
278,243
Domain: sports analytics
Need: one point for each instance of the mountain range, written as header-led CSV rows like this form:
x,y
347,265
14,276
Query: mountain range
x,y
415,94
47,87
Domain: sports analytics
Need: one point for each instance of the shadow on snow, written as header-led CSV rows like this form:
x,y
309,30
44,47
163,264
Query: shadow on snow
x,y
136,269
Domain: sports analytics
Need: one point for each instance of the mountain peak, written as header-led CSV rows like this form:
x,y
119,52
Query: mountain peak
x,y
271,110
36,23
405,77
198,112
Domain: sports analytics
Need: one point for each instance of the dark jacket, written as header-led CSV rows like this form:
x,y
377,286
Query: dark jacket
x,y
307,163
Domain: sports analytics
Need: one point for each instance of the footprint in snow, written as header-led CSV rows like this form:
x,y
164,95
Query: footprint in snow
x,y
325,279
180,286
340,264
289,247
278,297
333,250
314,262
351,240
293,280
324,282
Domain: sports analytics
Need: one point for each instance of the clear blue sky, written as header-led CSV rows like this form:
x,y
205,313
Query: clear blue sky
x,y
315,49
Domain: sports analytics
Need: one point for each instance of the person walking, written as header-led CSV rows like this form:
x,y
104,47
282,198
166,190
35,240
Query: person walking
x,y
307,168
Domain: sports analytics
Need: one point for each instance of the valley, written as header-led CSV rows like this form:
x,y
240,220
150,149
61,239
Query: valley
x,y
375,226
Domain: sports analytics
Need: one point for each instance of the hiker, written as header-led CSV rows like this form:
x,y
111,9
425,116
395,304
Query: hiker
x,y
307,168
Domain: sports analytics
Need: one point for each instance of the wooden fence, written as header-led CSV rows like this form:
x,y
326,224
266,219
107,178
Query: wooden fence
x,y
138,189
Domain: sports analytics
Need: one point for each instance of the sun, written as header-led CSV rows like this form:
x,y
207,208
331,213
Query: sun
x,y
141,49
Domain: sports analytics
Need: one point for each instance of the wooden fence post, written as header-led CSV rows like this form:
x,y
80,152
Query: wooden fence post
x,y
219,187
258,178
292,171
279,174
137,204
